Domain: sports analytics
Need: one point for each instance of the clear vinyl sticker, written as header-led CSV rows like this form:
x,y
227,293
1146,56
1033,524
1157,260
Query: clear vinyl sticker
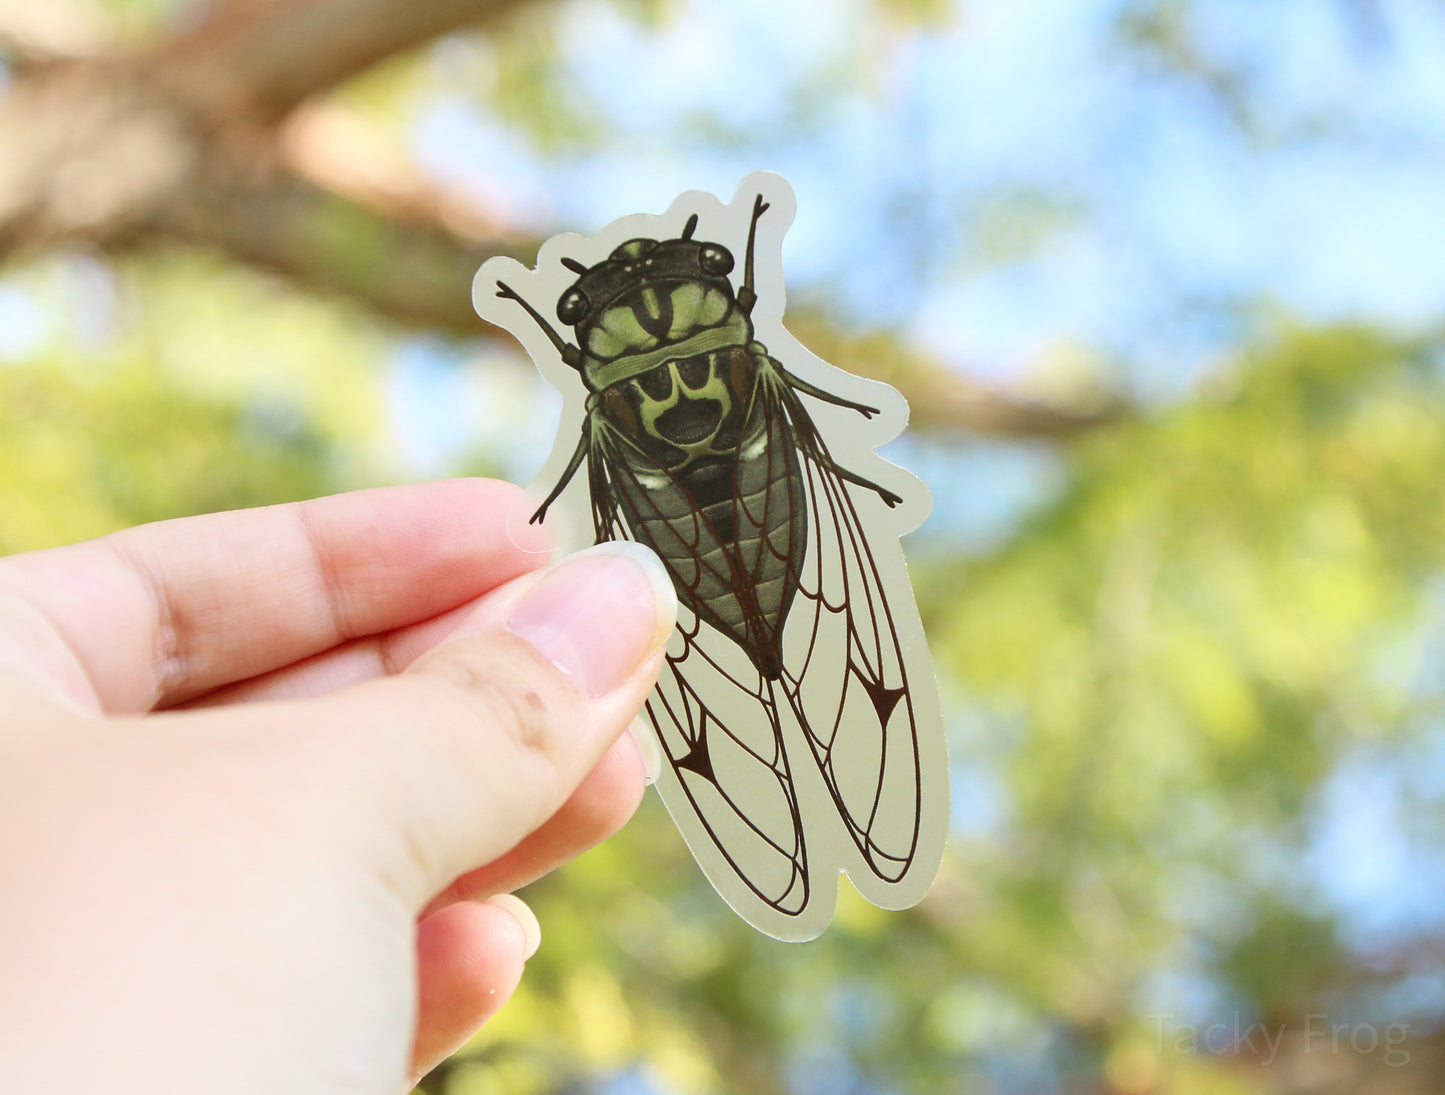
x,y
798,712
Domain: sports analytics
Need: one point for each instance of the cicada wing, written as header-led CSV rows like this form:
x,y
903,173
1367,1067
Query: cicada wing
x,y
727,782
860,684
733,796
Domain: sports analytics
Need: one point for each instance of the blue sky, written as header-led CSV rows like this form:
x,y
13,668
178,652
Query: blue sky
x,y
922,157
1163,205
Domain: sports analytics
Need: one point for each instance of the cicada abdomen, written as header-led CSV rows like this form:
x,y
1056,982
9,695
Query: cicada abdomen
x,y
798,711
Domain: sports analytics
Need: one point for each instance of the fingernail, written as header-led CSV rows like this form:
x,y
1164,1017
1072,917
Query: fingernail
x,y
525,918
647,747
597,614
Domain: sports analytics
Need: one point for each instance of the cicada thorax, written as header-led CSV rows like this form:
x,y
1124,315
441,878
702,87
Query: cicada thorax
x,y
713,481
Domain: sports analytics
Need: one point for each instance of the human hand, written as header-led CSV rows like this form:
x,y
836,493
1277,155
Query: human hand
x,y
260,770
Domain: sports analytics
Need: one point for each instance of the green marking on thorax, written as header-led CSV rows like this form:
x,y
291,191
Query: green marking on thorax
x,y
737,331
716,388
621,323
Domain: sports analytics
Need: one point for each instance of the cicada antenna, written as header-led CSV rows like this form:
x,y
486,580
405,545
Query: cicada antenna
x,y
569,353
747,295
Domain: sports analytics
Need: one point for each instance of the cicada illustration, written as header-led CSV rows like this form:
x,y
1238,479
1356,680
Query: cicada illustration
x,y
797,711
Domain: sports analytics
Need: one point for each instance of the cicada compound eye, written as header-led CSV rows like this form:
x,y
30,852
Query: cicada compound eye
x,y
572,308
715,259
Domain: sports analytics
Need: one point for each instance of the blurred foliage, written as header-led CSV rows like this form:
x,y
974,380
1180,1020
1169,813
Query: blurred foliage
x,y
528,88
1154,681
179,386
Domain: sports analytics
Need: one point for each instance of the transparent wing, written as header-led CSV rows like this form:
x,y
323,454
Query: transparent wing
x,y
846,676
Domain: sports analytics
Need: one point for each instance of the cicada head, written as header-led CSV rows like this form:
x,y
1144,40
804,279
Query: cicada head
x,y
648,294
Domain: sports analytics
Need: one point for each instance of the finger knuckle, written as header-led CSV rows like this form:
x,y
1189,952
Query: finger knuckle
x,y
508,698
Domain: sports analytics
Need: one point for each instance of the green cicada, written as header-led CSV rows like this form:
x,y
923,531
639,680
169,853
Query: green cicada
x,y
700,443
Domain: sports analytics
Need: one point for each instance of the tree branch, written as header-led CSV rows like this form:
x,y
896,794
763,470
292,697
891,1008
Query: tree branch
x,y
408,251
260,61
939,399
411,270
204,141
96,148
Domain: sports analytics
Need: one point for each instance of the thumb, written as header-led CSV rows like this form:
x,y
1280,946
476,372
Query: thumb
x,y
448,765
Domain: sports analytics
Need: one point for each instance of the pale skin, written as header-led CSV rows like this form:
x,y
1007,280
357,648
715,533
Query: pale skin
x,y
261,772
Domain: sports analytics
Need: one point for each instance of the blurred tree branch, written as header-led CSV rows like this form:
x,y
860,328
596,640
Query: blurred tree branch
x,y
216,137
107,148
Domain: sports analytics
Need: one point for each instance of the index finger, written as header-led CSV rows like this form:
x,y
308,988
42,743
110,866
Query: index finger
x,y
153,615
